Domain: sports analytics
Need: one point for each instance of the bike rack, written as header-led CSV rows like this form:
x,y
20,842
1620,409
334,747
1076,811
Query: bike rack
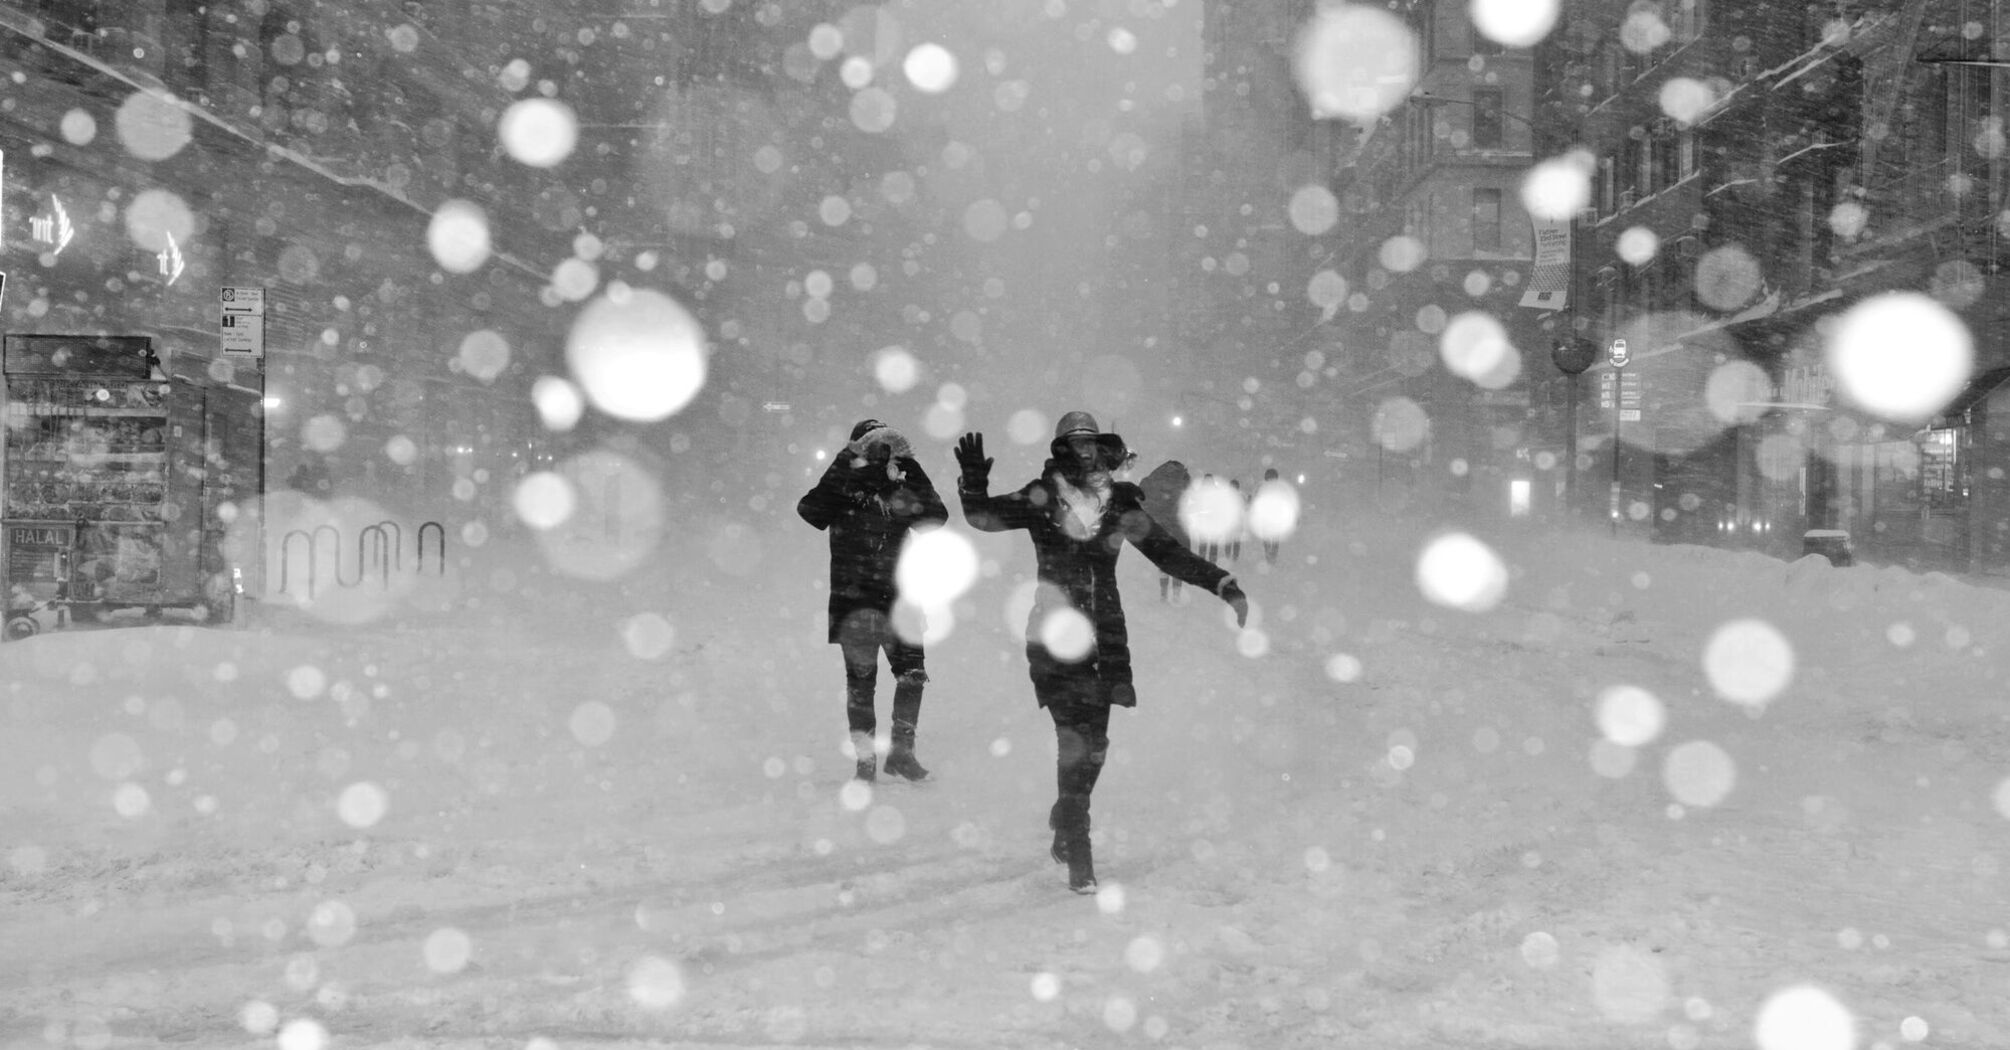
x,y
379,546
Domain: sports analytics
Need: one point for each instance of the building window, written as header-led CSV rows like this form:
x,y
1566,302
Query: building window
x,y
1486,220
1487,132
1690,19
1607,200
1685,154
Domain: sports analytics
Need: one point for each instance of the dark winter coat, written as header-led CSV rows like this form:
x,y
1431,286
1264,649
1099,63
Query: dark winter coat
x,y
1163,488
1078,569
867,522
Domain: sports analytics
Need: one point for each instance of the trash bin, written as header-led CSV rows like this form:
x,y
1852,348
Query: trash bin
x,y
1832,544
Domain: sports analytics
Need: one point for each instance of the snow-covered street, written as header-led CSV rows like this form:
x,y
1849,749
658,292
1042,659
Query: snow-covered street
x,y
1397,824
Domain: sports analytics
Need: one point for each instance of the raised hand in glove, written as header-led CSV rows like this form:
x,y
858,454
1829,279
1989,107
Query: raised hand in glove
x,y
975,465
1231,592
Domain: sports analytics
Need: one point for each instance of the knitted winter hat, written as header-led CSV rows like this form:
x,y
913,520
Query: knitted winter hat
x,y
1076,422
863,426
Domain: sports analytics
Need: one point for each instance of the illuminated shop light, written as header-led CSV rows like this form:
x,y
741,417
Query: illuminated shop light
x,y
171,260
54,229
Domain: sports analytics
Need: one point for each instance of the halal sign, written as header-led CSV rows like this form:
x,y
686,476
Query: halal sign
x,y
1617,355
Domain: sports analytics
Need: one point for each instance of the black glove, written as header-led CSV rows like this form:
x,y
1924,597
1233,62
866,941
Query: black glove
x,y
976,466
1231,592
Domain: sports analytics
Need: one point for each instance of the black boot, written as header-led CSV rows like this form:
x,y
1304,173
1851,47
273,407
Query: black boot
x,y
867,768
1071,842
900,761
1059,851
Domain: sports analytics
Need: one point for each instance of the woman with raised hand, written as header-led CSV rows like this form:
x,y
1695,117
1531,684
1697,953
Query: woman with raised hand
x,y
1079,519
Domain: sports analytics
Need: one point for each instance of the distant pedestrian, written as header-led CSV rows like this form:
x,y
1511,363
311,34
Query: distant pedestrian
x,y
1241,522
1269,539
869,498
1210,546
1163,488
1079,519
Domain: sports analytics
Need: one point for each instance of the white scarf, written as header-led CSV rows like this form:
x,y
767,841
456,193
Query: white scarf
x,y
1082,508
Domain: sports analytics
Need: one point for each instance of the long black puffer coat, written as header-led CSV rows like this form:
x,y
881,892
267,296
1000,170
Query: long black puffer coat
x,y
867,522
1078,568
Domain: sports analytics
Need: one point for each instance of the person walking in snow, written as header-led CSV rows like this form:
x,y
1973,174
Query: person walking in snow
x,y
869,498
1079,519
1163,488
1270,541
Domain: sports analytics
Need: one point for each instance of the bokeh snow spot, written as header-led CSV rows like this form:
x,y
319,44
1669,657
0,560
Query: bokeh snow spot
x,y
1727,278
855,795
1027,426
539,132
616,521
1540,950
1355,62
1737,392
306,681
1748,662
655,983
648,636
1638,246
1514,23
1313,210
157,216
1686,100
985,220
331,924
79,127
1067,635
447,950
153,127
1400,424
935,567
1402,253
2000,798
1628,985
458,236
361,804
303,1033
1120,1012
1460,572
873,110
931,68
592,723
543,500
1046,987
1273,511
258,1017
1630,716
1211,511
1560,187
1804,1017
1475,345
1343,668
131,801
896,369
1144,953
484,354
637,354
885,825
559,402
1699,773
1901,356
1914,1029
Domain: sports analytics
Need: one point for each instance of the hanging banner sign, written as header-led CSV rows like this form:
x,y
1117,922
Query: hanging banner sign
x,y
1549,280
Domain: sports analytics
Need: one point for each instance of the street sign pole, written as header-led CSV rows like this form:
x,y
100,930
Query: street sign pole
x,y
1617,354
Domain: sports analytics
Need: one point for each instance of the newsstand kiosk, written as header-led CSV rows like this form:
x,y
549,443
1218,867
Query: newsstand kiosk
x,y
118,482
